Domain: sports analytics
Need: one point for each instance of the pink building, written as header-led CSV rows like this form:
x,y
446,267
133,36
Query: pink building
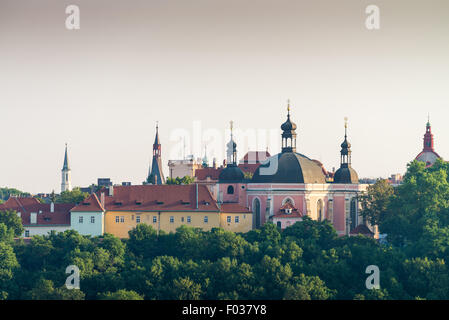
x,y
289,186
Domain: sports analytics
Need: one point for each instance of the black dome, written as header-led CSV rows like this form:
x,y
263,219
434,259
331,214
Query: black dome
x,y
288,125
292,168
346,174
231,173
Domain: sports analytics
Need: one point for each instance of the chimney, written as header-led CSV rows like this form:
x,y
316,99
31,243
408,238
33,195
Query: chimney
x,y
102,199
111,191
52,207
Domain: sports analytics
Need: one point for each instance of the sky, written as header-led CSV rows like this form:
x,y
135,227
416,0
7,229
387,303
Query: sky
x,y
195,65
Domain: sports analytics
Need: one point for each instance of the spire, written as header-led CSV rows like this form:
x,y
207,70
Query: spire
x,y
345,149
66,175
66,160
231,151
156,176
289,133
428,137
156,139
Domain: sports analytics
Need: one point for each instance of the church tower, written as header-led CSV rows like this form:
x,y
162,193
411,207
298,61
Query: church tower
x,y
288,133
428,154
156,176
66,181
346,174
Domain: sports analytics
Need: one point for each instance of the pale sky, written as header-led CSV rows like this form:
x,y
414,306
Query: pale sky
x,y
102,88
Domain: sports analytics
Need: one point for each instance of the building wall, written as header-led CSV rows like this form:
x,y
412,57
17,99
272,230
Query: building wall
x,y
245,222
87,227
43,230
163,221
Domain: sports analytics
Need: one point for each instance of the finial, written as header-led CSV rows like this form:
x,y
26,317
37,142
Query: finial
x,y
157,125
288,106
346,124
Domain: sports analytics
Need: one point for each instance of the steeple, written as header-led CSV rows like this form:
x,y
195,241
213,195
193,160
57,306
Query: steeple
x,y
156,176
289,133
231,151
428,137
66,173
345,152
345,174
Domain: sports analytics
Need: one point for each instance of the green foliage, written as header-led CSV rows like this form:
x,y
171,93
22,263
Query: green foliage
x,y
74,196
12,221
178,180
5,193
375,201
120,295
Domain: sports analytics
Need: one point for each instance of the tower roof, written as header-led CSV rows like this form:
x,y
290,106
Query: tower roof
x,y
156,139
66,160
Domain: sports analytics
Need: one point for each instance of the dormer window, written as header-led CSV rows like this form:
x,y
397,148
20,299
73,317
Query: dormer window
x,y
160,202
288,211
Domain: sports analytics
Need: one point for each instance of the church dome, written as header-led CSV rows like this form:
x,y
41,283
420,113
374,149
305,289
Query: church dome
x,y
346,174
292,167
231,173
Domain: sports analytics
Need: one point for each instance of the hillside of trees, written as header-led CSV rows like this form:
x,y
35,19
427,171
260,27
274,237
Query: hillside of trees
x,y
305,261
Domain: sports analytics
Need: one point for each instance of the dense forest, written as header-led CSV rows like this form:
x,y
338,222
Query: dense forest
x,y
305,261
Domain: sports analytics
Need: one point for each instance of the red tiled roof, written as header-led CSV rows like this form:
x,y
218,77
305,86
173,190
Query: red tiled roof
x,y
91,204
154,198
203,173
60,216
362,229
233,208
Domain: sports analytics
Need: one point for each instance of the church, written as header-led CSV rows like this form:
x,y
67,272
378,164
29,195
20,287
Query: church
x,y
289,186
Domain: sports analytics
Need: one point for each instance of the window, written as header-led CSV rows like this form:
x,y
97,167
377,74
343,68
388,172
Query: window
x,y
228,219
189,219
236,219
230,190
27,233
92,219
117,219
172,219
80,220
182,219
154,219
206,219
137,219
122,219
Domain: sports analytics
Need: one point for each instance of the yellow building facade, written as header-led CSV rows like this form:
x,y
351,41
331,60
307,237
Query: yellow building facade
x,y
119,223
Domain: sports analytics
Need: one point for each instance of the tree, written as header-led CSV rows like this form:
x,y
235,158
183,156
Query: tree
x,y
74,196
5,193
375,201
178,180
121,294
12,221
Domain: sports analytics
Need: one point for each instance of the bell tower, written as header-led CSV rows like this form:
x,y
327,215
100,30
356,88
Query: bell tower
x,y
289,133
156,176
66,174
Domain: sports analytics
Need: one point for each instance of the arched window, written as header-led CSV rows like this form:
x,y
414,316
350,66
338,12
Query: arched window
x,y
319,210
279,224
230,190
289,200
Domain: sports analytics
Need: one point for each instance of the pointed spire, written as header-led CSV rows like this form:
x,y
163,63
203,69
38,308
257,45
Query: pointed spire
x,y
66,160
346,148
156,139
